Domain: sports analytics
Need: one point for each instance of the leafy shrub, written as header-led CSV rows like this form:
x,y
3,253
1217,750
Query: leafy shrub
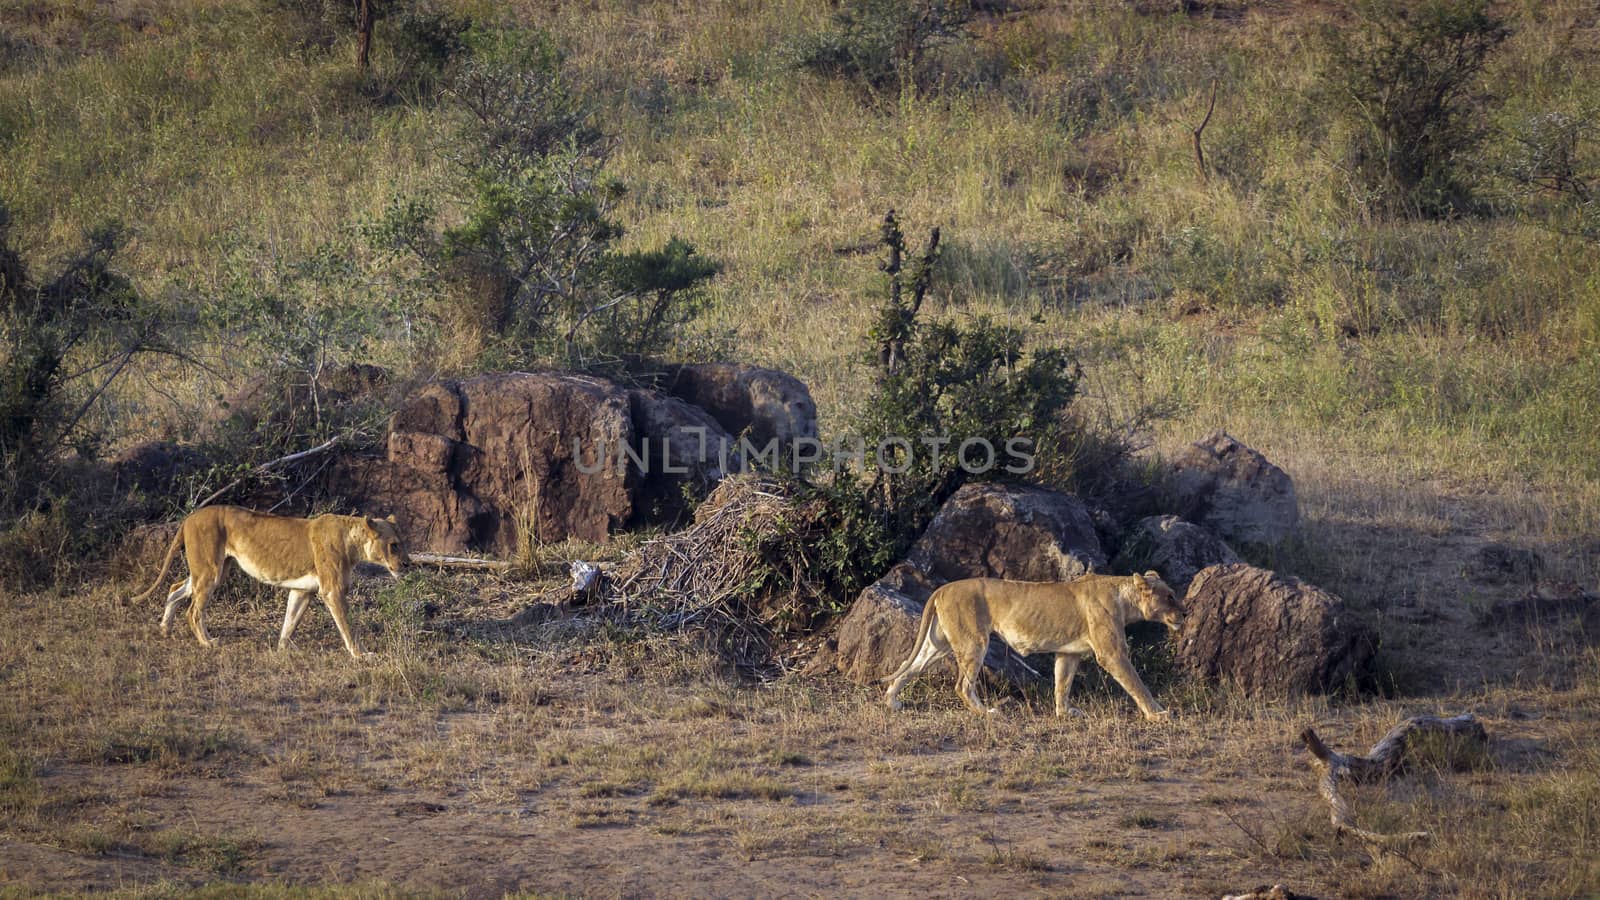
x,y
884,44
534,249
940,379
67,338
1555,160
1407,78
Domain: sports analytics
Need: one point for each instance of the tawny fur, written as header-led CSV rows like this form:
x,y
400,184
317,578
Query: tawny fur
x,y
1069,619
308,556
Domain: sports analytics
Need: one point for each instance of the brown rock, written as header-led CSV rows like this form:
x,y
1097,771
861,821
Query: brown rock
x,y
1174,548
1271,634
772,405
1233,490
1011,531
877,634
484,463
151,467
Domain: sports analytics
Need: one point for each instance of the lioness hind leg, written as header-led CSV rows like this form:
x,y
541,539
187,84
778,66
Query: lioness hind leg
x,y
201,590
969,665
934,648
180,592
298,601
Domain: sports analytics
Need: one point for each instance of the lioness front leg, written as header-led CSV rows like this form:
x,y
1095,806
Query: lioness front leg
x,y
1114,659
298,601
334,599
1066,669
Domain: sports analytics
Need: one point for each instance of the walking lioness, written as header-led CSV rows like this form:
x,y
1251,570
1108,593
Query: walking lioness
x,y
1068,619
307,556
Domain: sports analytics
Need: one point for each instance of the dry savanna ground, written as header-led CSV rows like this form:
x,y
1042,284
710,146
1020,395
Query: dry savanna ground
x,y
576,757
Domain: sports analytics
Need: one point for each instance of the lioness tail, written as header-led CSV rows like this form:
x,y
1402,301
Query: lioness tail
x,y
924,625
172,550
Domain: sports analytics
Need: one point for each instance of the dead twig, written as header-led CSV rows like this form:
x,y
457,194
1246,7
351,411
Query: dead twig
x,y
1200,154
1385,760
268,466
461,562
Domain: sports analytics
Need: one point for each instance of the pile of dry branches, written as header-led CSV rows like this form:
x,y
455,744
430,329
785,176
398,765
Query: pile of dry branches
x,y
717,574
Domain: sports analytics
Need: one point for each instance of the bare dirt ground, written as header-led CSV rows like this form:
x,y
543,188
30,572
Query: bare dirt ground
x,y
578,758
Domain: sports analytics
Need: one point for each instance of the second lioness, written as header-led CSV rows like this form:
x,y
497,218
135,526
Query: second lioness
x,y
1068,619
307,556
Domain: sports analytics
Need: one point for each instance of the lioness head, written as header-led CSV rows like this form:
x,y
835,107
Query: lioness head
x,y
384,546
1157,602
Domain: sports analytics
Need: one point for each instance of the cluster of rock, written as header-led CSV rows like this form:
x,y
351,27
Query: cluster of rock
x,y
489,463
486,463
1245,626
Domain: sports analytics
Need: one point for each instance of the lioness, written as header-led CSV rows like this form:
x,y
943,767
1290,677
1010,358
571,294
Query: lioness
x,y
1065,618
304,555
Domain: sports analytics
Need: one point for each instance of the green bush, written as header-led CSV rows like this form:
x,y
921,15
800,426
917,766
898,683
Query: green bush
x,y
534,248
884,44
1408,79
956,382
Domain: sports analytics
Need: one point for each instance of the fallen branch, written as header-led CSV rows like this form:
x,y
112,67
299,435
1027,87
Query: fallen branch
x,y
268,466
1385,760
461,562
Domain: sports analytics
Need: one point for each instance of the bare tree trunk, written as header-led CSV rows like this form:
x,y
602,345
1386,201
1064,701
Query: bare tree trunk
x,y
363,33
1384,760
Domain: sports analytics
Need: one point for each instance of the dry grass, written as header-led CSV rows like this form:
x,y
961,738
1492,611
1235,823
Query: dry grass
x,y
141,755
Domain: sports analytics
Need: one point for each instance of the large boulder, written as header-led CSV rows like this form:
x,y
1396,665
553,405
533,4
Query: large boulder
x,y
1271,634
762,405
484,464
983,531
1173,547
1233,490
1013,531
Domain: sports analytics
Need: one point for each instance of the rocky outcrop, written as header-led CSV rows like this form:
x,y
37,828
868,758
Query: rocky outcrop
x,y
488,462
758,404
1271,634
983,531
1174,548
1234,491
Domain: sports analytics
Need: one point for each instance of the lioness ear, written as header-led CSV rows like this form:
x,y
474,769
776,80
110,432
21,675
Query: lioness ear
x,y
390,519
1152,574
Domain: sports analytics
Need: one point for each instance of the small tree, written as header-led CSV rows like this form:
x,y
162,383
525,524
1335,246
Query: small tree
x,y
536,241
67,339
1407,77
883,43
941,384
